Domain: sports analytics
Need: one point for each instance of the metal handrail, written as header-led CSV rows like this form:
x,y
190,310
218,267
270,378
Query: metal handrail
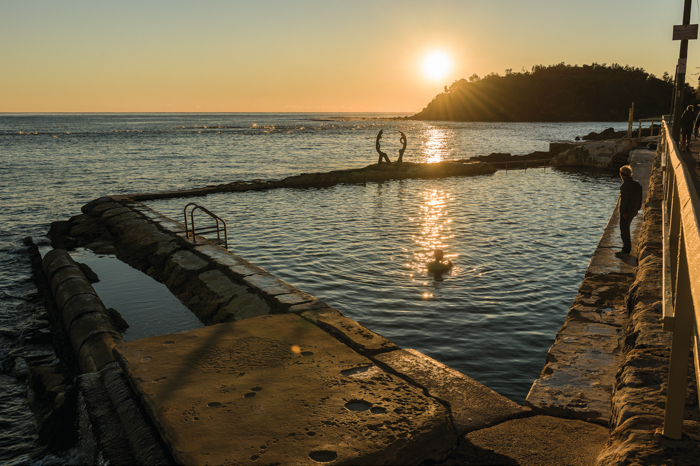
x,y
210,229
651,128
681,278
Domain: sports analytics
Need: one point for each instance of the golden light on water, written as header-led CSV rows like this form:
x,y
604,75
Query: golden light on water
x,y
435,147
435,229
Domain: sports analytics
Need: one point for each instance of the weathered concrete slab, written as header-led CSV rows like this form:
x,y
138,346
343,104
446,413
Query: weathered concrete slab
x,y
218,299
223,258
183,263
269,284
277,389
579,377
536,440
171,226
310,306
611,235
605,262
217,254
285,301
88,325
350,332
472,405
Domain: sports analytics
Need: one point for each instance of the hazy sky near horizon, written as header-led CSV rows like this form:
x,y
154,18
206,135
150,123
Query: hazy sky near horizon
x,y
306,56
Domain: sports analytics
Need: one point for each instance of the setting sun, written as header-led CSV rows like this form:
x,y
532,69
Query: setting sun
x,y
436,65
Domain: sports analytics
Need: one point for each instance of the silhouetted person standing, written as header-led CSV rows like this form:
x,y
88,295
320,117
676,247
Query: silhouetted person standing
x,y
403,149
687,130
630,203
382,155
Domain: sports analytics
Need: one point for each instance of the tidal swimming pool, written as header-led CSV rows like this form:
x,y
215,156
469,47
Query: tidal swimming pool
x,y
520,241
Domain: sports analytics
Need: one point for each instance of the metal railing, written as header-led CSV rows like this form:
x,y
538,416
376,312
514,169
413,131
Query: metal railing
x,y
681,277
651,128
191,233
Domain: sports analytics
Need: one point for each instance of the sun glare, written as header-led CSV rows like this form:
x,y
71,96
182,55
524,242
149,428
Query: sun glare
x,y
436,65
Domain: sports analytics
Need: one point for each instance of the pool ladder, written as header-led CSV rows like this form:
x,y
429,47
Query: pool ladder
x,y
191,233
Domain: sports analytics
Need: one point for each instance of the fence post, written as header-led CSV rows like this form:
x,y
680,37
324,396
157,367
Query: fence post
x,y
629,125
674,230
680,348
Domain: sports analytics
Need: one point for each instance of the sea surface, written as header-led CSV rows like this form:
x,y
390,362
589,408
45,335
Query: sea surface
x,y
520,240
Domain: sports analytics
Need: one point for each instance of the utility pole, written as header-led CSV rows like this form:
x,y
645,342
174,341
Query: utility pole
x,y
680,75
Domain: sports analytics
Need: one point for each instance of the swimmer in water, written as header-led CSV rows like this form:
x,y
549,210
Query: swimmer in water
x,y
438,266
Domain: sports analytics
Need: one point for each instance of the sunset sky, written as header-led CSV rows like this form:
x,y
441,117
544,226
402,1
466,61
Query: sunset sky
x,y
306,56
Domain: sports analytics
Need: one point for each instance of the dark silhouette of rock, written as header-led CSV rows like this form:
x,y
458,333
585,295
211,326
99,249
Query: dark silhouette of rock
x,y
610,134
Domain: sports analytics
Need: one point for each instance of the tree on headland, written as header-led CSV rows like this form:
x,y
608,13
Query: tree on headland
x,y
555,93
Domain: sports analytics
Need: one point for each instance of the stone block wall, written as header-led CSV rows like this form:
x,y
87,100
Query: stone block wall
x,y
88,323
639,394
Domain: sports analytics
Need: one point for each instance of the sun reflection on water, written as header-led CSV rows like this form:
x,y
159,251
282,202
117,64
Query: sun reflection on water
x,y
435,146
435,231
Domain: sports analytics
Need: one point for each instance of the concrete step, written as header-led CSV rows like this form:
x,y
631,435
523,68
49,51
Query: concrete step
x,y
537,440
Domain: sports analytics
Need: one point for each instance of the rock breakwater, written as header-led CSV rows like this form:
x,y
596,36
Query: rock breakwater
x,y
372,173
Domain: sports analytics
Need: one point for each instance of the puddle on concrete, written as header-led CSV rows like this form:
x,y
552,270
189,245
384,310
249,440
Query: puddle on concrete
x,y
355,370
148,306
323,456
357,405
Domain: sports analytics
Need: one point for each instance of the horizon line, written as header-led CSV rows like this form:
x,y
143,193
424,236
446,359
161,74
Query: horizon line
x,y
30,112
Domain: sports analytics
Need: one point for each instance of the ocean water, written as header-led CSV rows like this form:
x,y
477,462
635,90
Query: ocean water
x,y
520,240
